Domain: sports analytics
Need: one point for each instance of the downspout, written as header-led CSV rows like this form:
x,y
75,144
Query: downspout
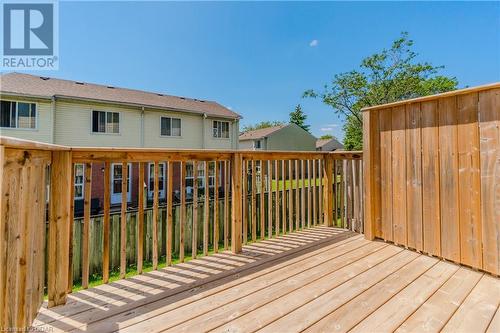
x,y
54,119
142,126
203,139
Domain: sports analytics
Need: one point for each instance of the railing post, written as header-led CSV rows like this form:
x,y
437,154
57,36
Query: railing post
x,y
328,190
236,199
59,227
370,150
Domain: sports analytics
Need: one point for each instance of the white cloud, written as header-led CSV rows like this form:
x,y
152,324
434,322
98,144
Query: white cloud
x,y
314,43
333,125
326,129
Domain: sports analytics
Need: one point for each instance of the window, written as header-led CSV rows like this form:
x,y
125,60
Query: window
x,y
105,122
170,126
221,129
161,180
17,114
257,144
79,180
190,175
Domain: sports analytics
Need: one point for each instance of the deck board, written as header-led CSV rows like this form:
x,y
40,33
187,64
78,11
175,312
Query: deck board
x,y
317,280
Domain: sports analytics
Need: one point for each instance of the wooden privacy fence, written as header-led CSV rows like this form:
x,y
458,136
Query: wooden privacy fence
x,y
254,195
432,175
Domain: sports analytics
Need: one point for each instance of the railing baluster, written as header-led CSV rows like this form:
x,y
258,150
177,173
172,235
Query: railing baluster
x,y
105,224
283,196
309,184
269,200
314,196
206,208
296,187
123,222
342,194
194,237
182,219
140,218
277,198
170,216
86,225
155,215
244,187
302,194
290,197
71,226
216,207
320,193
226,204
261,199
254,203
236,203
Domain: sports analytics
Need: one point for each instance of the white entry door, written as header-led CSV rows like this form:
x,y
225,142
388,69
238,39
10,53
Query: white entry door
x,y
116,183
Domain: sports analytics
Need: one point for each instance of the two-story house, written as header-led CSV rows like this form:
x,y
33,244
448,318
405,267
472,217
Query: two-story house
x,y
75,113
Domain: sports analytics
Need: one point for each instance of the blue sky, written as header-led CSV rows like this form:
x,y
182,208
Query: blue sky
x,y
257,58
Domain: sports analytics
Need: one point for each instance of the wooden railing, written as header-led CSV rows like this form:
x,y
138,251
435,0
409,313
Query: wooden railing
x,y
234,197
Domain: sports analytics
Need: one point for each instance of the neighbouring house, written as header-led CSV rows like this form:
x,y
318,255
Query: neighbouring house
x,y
283,137
328,145
77,113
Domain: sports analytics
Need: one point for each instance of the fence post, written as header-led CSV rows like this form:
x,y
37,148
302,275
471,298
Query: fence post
x,y
59,227
328,190
370,131
236,199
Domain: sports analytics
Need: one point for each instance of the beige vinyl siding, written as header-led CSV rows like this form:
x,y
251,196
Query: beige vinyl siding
x,y
74,126
292,138
246,145
191,131
43,130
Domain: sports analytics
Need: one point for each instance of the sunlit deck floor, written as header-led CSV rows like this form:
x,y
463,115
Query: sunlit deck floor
x,y
319,280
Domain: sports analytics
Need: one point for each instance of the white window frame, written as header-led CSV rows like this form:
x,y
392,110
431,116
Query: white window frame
x,y
217,130
16,117
161,175
171,120
79,184
259,141
106,132
116,198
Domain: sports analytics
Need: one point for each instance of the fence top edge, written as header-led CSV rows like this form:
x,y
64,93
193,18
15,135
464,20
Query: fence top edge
x,y
10,142
434,97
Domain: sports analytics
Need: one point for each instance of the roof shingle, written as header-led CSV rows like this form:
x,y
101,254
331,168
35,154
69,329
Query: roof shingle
x,y
32,85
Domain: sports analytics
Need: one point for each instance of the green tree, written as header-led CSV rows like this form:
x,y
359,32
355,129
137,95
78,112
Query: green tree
x,y
262,124
388,76
298,117
326,137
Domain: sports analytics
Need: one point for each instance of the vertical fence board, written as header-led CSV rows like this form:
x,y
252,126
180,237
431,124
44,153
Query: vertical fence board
x,y
431,202
489,114
469,180
86,225
448,161
385,121
414,176
399,175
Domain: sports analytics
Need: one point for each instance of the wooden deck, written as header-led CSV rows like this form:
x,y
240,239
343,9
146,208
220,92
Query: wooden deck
x,y
317,280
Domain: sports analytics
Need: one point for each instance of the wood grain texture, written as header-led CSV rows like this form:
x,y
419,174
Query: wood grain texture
x,y
448,163
182,214
489,132
414,177
156,189
123,222
385,120
86,225
140,218
236,201
431,202
469,180
399,222
194,229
